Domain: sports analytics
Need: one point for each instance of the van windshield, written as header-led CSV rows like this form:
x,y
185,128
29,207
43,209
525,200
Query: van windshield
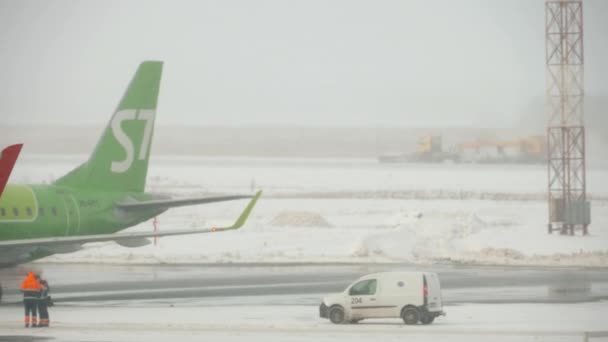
x,y
364,287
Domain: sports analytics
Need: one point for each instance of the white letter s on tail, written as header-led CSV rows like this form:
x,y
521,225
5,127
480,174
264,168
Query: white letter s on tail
x,y
123,139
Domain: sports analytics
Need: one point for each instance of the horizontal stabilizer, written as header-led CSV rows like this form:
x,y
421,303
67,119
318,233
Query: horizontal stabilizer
x,y
166,204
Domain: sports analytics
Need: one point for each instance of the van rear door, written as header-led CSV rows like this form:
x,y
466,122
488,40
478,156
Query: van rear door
x,y
433,290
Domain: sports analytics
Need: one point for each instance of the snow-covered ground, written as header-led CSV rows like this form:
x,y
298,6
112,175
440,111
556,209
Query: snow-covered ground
x,y
280,230
353,211
469,322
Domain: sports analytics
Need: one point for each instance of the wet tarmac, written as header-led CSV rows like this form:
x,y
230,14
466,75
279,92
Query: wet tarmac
x,y
101,284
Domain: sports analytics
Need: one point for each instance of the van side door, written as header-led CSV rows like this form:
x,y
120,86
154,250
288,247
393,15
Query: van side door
x,y
363,300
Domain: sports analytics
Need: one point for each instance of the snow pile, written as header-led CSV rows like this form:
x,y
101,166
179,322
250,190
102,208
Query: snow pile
x,y
415,238
474,239
403,218
299,219
395,244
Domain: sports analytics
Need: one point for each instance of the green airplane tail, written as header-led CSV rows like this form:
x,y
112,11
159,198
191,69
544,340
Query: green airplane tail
x,y
120,159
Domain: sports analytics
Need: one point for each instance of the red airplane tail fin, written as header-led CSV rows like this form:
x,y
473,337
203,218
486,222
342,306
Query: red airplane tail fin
x,y
8,157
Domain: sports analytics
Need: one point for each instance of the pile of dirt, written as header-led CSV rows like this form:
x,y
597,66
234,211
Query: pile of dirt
x,y
299,219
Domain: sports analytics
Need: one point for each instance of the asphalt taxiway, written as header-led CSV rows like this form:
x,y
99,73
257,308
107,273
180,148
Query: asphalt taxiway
x,y
100,284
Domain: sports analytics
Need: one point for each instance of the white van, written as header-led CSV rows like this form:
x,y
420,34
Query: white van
x,y
413,296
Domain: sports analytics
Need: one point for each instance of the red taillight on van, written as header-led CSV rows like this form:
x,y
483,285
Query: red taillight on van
x,y
425,287
425,291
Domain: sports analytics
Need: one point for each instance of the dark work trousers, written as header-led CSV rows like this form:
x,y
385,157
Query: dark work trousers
x,y
43,311
30,308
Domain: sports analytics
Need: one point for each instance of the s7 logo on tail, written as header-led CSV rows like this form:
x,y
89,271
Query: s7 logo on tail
x,y
125,141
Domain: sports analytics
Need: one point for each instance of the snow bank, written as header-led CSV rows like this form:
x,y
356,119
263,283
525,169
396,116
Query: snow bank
x,y
354,212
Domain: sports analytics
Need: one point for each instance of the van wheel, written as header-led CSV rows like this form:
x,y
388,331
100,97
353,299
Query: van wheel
x,y
336,315
410,315
427,319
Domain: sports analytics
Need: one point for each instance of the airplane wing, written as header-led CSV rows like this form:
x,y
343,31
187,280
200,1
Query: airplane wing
x,y
70,240
8,157
166,204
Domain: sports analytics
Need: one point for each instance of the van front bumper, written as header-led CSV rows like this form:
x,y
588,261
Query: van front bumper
x,y
323,310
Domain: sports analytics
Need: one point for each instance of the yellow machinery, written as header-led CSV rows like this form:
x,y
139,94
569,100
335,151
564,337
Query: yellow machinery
x,y
531,149
429,144
528,149
430,150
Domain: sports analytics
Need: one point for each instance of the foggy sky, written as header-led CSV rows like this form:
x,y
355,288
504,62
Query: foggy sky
x,y
314,62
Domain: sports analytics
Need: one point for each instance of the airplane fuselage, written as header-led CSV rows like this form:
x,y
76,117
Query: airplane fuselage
x,y
39,211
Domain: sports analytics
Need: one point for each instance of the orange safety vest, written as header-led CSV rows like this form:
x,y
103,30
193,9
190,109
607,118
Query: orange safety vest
x,y
30,286
30,282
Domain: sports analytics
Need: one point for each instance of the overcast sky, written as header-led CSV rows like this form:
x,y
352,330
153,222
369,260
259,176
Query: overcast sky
x,y
313,62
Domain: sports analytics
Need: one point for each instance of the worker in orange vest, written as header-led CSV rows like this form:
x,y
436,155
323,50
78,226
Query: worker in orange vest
x,y
31,292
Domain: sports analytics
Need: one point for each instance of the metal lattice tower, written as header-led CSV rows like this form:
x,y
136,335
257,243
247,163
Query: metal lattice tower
x,y
568,206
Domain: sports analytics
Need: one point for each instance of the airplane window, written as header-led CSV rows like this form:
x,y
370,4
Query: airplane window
x,y
16,211
28,210
41,211
54,211
2,212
